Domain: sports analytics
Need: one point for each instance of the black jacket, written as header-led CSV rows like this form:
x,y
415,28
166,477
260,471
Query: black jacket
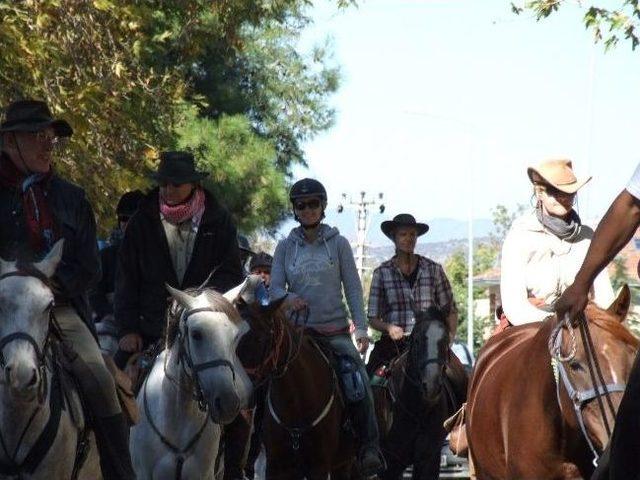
x,y
144,265
79,268
101,297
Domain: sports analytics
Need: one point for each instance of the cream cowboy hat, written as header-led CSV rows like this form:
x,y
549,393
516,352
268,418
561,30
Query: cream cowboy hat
x,y
557,172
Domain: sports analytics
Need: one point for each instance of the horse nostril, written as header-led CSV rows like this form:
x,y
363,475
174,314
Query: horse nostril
x,y
34,379
217,403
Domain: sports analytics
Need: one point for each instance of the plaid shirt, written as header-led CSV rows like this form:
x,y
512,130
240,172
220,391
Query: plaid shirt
x,y
391,296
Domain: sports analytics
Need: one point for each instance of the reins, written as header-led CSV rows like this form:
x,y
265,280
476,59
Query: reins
x,y
599,388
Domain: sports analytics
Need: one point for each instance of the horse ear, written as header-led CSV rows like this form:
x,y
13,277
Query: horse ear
x,y
184,299
620,306
49,263
233,294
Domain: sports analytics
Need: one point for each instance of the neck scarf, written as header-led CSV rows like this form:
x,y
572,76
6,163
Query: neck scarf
x,y
33,190
192,208
564,229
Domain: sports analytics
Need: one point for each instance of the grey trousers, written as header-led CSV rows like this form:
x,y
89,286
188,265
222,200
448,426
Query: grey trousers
x,y
95,380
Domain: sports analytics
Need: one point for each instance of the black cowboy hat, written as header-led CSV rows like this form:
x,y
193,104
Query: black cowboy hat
x,y
32,116
403,220
177,167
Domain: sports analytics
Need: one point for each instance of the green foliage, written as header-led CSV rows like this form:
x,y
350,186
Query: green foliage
x,y
619,275
243,174
608,25
456,268
502,220
121,72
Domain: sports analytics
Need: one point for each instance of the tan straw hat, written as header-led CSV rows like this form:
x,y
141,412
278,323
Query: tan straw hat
x,y
557,172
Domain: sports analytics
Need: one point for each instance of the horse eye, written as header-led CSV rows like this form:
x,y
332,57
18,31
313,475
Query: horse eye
x,y
196,335
575,366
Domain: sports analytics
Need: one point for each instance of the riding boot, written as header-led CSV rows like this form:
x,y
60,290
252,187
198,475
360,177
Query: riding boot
x,y
370,459
236,445
112,439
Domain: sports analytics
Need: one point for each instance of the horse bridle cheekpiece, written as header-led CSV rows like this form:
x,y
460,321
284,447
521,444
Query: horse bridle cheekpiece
x,y
184,356
12,337
579,398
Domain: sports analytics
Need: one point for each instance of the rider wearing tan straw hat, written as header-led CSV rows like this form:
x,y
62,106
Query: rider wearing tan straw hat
x,y
545,247
557,172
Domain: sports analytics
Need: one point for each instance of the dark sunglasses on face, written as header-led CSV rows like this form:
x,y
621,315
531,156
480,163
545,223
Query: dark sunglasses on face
x,y
554,192
312,204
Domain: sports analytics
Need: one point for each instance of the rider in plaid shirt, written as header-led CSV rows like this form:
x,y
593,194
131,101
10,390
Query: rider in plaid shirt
x,y
403,285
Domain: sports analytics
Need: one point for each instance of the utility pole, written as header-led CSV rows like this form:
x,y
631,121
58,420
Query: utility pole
x,y
362,207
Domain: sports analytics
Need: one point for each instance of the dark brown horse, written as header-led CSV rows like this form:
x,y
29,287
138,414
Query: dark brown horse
x,y
304,425
531,418
426,384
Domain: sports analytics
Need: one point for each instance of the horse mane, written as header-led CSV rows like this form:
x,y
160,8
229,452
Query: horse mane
x,y
216,301
605,320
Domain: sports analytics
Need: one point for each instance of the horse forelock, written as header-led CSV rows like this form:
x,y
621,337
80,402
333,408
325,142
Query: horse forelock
x,y
609,323
215,301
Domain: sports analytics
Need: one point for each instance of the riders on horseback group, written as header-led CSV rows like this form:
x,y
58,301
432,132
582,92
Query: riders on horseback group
x,y
180,235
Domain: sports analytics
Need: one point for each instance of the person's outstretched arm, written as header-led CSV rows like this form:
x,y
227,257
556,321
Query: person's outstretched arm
x,y
613,233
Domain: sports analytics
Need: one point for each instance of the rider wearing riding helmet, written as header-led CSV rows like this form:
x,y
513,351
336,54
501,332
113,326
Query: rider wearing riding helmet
x,y
311,267
545,248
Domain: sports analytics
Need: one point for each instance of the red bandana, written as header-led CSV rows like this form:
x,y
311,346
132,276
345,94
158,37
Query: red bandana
x,y
37,212
191,209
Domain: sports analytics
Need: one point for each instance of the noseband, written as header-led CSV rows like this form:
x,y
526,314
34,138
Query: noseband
x,y
15,336
184,357
579,398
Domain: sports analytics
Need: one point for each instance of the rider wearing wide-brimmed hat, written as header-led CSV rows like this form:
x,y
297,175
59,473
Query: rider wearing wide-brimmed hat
x,y
180,236
400,286
38,208
545,247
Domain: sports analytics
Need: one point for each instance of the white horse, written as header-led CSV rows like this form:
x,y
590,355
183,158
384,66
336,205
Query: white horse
x,y
195,385
41,426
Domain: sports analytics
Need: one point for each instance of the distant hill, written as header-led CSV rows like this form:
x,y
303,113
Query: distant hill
x,y
440,229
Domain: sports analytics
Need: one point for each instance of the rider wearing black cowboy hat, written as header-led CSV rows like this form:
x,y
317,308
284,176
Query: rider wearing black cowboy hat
x,y
403,284
179,236
37,208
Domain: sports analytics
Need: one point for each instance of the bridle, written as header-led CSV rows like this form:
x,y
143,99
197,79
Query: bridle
x,y
23,336
579,398
193,370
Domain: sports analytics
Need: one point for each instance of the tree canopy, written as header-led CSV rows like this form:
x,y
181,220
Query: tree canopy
x,y
608,24
137,77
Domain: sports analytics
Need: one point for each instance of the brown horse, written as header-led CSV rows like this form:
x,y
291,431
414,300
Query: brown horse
x,y
529,417
304,426
426,384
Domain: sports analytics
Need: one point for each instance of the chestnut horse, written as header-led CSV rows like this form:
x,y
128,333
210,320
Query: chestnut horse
x,y
426,384
536,407
304,425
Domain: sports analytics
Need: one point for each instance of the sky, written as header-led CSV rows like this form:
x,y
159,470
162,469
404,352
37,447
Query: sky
x,y
444,104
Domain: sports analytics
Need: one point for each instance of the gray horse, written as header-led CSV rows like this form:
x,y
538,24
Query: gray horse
x,y
34,396
196,384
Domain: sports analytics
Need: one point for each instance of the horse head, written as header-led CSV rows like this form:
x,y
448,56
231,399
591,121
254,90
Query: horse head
x,y
428,352
258,350
206,330
26,300
595,396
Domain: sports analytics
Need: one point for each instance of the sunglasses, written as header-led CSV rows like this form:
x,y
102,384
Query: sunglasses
x,y
554,192
312,204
